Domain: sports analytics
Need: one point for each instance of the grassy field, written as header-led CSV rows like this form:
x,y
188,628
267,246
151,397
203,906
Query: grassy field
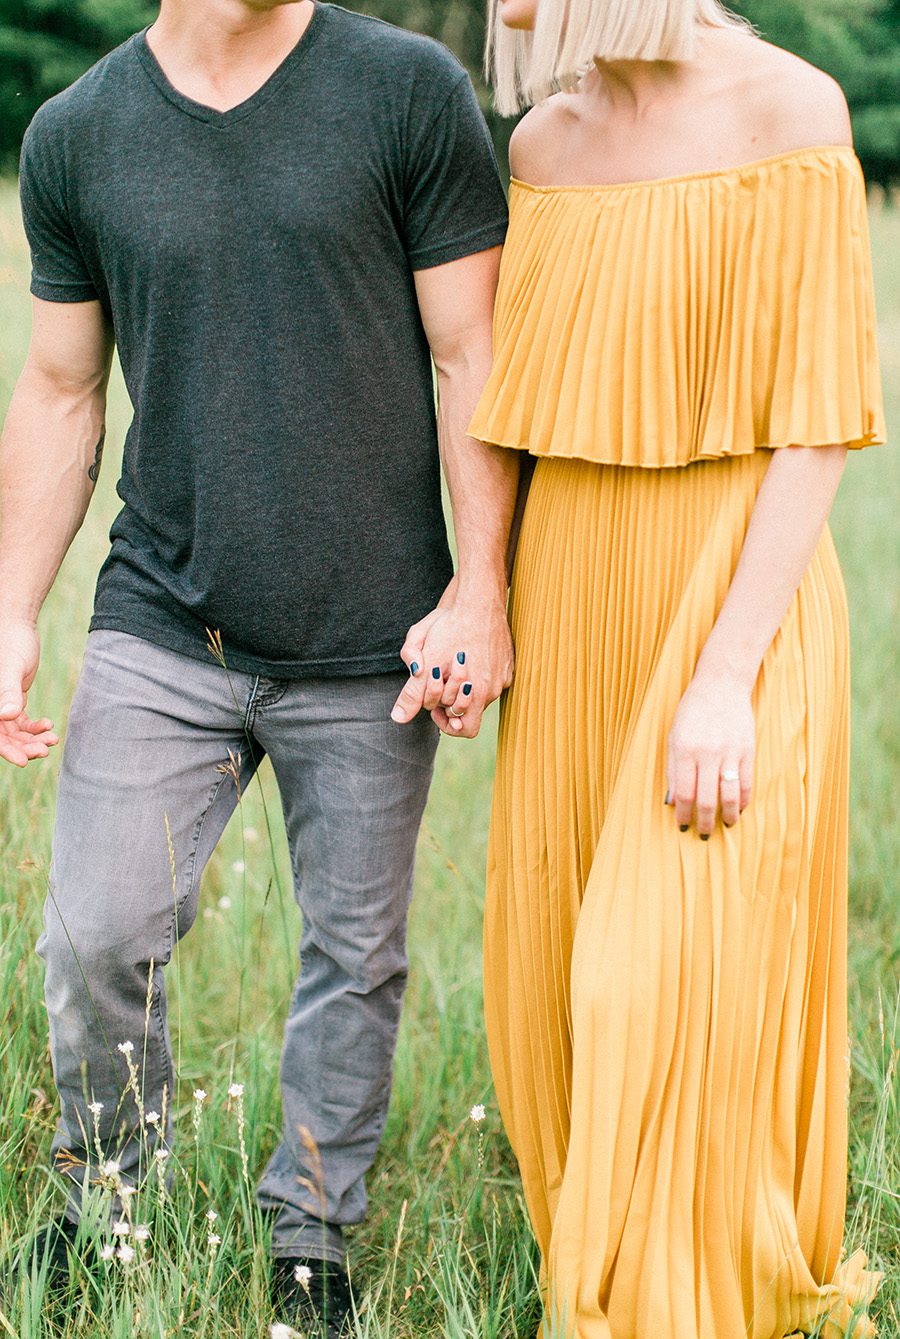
x,y
447,1250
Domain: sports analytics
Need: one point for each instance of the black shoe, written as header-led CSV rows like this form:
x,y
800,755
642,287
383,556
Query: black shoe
x,y
49,1253
313,1296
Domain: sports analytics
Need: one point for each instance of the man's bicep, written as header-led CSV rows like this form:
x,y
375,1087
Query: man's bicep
x,y
71,343
456,303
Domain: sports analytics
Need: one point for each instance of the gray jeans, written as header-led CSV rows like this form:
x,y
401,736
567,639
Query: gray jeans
x,y
148,736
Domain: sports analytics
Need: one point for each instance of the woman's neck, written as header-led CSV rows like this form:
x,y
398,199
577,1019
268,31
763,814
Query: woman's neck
x,y
633,87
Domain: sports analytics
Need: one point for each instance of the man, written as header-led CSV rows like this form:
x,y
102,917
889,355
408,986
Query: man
x,y
277,212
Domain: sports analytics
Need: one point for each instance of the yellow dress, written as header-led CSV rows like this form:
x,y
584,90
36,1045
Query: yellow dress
x,y
667,1017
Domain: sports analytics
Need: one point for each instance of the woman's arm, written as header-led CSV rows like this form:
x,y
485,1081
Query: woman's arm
x,y
713,729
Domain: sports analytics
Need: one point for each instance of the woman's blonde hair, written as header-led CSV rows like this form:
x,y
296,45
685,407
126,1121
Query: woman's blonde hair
x,y
569,35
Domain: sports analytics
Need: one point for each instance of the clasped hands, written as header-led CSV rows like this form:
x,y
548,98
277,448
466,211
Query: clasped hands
x,y
460,659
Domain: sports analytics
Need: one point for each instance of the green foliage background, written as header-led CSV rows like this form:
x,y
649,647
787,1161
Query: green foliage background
x,y
46,44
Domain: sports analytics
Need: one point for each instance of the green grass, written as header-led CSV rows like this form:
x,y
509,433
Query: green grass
x,y
446,1250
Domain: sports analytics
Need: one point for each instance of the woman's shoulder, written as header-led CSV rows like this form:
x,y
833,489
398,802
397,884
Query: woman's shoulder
x,y
789,103
534,144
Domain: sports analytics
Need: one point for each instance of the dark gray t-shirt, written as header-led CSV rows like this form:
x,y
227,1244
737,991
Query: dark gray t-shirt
x,y
281,481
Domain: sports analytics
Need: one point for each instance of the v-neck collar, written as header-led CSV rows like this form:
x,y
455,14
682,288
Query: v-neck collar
x,y
199,110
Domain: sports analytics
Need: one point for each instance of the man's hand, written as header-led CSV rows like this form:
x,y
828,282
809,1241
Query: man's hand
x,y
460,659
50,454
21,738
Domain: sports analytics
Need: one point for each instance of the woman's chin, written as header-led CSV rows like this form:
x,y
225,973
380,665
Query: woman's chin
x,y
518,15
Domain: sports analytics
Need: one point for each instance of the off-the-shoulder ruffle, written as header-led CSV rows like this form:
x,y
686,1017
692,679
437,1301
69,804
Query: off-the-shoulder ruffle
x,y
707,315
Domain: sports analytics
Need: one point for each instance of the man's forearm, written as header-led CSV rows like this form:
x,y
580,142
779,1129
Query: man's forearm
x,y
482,481
49,458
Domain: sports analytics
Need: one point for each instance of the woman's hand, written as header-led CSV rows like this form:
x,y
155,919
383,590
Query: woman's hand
x,y
460,658
710,756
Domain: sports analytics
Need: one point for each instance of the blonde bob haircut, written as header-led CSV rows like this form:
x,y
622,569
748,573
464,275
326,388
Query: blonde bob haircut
x,y
569,35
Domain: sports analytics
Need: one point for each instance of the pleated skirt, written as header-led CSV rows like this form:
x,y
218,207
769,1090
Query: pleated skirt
x,y
666,1016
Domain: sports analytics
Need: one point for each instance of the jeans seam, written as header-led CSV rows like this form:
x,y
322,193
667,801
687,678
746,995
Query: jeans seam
x,y
250,712
191,872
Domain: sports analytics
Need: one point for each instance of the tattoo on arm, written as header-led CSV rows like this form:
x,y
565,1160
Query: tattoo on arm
x,y
94,470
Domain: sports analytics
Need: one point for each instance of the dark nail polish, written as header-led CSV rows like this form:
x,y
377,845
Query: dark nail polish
x,y
436,672
461,657
414,667
668,798
704,836
467,688
684,827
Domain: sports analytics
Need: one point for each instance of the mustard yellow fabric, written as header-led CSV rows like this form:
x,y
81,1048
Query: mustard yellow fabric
x,y
667,1017
661,322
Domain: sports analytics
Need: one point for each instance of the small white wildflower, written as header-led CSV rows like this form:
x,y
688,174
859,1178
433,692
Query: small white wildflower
x,y
303,1275
125,1253
282,1332
161,1154
125,1192
211,1215
238,866
236,1090
199,1095
214,1240
107,1252
95,1108
224,903
142,1232
120,1228
126,1047
477,1114
152,1118
111,1169
251,835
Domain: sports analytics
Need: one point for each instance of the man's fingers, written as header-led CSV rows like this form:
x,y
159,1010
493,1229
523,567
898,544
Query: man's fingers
x,y
12,700
24,731
410,699
35,749
35,727
12,752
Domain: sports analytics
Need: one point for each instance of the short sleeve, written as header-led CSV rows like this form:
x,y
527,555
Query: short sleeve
x,y
818,359
58,269
454,203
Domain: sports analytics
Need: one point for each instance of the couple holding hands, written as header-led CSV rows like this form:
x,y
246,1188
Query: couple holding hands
x,y
281,214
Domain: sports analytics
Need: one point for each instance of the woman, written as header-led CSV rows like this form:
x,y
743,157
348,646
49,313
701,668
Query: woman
x,y
685,340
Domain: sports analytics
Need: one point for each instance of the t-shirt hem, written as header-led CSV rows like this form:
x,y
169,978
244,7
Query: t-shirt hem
x,y
51,292
341,667
481,240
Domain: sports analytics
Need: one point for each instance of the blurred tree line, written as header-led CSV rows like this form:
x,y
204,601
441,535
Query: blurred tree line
x,y
45,44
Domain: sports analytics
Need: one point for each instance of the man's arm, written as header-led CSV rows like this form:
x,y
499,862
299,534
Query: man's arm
x,y
456,302
49,459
